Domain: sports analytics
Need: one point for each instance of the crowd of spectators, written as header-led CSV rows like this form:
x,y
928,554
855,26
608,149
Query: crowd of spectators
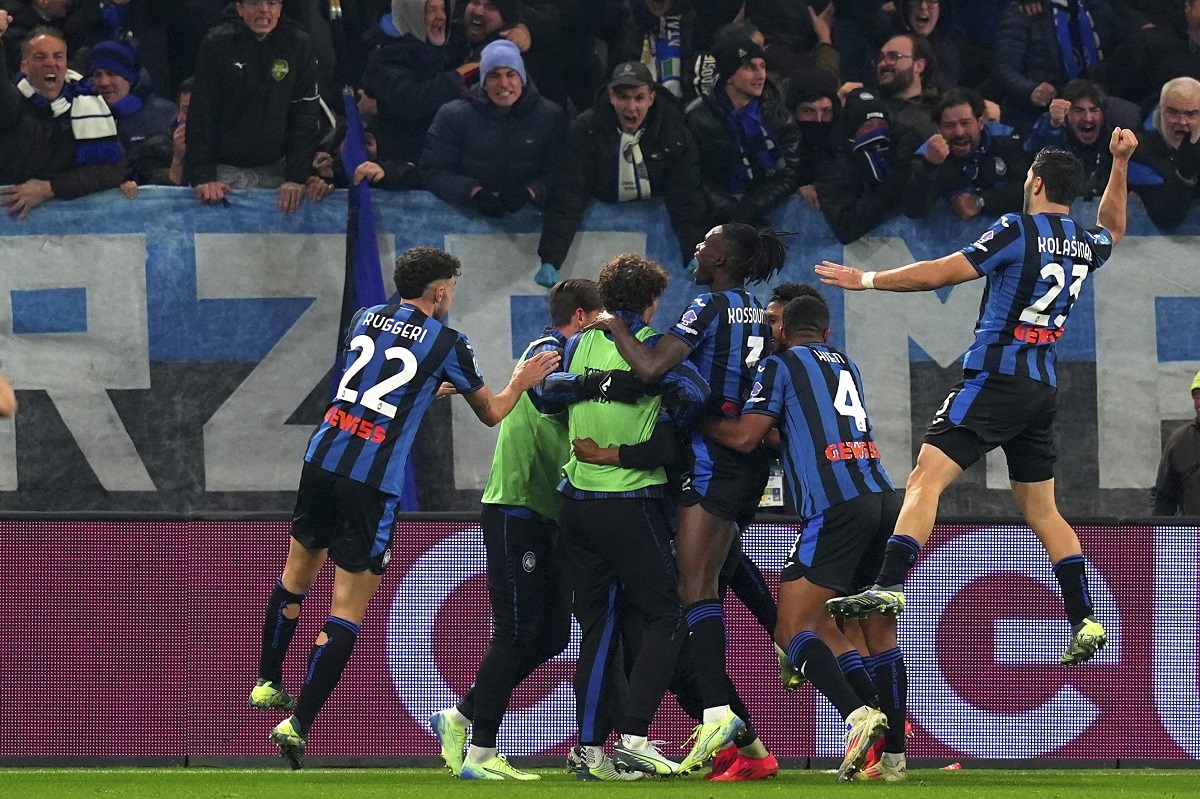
x,y
722,108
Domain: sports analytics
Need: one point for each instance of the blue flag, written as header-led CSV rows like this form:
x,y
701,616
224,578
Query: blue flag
x,y
364,279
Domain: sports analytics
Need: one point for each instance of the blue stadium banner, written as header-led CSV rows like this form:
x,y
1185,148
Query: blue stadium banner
x,y
174,357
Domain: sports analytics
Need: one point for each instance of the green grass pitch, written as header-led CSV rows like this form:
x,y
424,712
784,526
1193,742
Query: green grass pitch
x,y
184,783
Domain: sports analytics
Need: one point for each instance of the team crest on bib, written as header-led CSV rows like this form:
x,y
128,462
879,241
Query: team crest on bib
x,y
279,69
529,562
387,556
1001,167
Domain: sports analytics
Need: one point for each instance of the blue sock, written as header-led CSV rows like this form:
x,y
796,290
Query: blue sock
x,y
891,680
326,661
277,632
821,668
1071,574
856,674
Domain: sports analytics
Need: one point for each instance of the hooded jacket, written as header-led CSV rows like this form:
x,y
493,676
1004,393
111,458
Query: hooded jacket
x,y
472,143
590,169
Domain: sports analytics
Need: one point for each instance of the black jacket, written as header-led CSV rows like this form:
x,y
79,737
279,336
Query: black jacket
x,y
411,80
34,144
719,153
254,102
999,179
1178,483
589,170
471,143
853,202
1165,179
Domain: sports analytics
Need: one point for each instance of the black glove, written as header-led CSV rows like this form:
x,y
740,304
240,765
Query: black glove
x,y
1187,161
615,385
488,204
515,198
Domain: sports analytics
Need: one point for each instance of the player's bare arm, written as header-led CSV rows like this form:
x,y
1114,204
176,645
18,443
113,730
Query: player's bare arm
x,y
1111,213
650,363
743,434
8,399
492,408
920,276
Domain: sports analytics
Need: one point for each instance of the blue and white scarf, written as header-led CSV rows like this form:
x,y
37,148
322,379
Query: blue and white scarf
x,y
760,156
1088,41
92,123
662,52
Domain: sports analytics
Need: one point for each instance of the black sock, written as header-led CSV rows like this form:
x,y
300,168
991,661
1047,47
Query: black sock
x,y
1072,579
749,586
746,735
277,634
706,636
856,674
898,558
818,664
891,680
325,664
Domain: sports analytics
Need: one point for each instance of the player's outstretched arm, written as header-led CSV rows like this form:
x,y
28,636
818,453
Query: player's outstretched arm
x,y
744,433
920,276
650,363
492,408
1111,213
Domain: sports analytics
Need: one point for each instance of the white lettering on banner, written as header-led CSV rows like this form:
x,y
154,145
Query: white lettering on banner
x,y
1177,634
1134,392
412,660
499,266
879,325
935,704
247,445
77,369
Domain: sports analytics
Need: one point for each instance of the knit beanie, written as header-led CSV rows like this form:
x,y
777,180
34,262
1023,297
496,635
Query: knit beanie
x,y
117,58
502,53
731,57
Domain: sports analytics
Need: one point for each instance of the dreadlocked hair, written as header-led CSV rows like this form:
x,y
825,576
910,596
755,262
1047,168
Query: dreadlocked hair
x,y
759,254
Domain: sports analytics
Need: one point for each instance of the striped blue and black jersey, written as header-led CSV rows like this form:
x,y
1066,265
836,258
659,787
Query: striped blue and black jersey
x,y
728,333
815,395
396,357
1035,266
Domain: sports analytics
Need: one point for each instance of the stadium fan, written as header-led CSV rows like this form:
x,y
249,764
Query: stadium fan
x,y
353,475
1035,264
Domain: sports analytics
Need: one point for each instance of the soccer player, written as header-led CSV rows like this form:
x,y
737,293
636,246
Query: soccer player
x,y
618,537
814,394
1035,264
723,333
528,579
397,356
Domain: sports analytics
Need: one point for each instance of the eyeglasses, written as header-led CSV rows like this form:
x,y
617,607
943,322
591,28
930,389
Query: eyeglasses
x,y
267,3
1175,113
891,57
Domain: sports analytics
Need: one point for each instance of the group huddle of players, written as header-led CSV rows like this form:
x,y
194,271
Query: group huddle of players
x,y
629,462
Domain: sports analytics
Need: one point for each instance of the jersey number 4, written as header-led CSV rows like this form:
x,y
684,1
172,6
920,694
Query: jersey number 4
x,y
847,402
1036,314
373,397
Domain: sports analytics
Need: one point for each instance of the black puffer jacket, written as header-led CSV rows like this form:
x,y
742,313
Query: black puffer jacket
x,y
590,167
1026,50
719,153
1166,179
254,102
472,143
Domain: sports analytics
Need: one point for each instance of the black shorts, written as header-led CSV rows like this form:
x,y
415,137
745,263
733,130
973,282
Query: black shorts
x,y
351,519
842,547
985,411
725,482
